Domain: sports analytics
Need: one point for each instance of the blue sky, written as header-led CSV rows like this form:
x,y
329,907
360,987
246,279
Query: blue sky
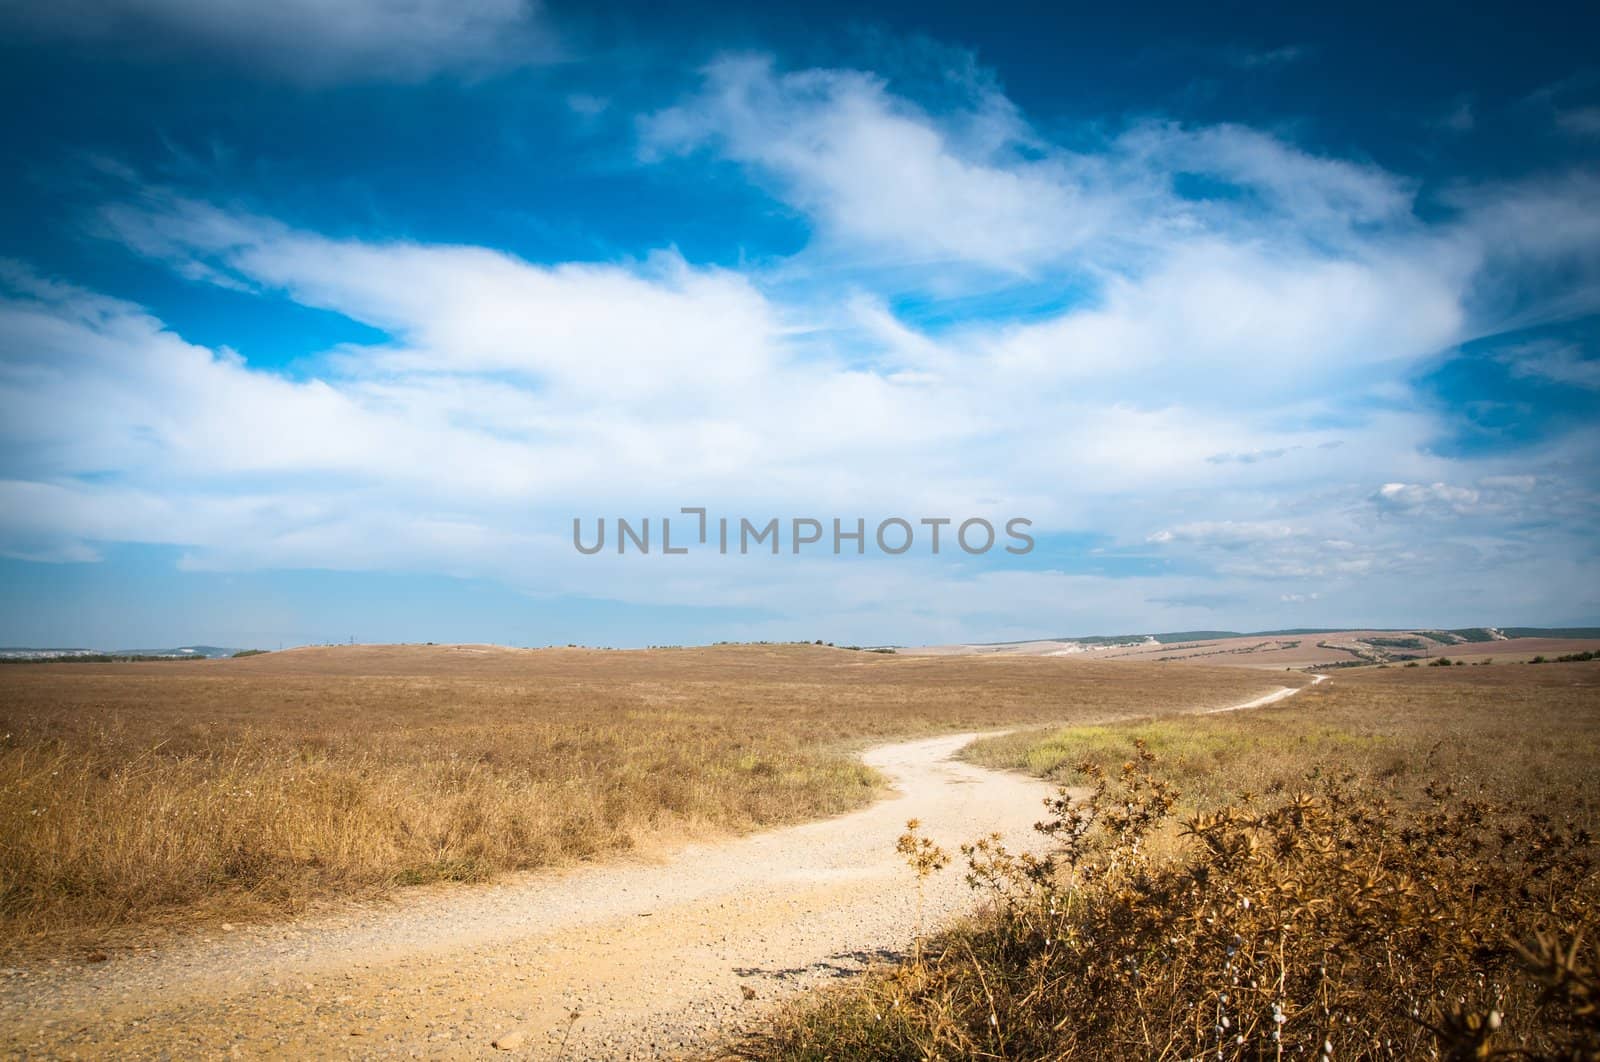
x,y
326,320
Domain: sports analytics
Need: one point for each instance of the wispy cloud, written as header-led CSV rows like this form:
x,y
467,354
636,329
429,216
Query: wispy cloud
x,y
1580,121
1267,58
1553,361
1460,118
311,42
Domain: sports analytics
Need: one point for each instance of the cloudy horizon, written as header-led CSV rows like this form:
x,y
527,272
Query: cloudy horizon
x,y
328,321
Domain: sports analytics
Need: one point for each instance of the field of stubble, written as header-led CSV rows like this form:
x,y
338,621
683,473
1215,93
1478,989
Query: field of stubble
x,y
135,797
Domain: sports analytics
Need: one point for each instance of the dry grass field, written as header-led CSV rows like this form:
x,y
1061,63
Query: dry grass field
x,y
1400,863
138,796
1498,731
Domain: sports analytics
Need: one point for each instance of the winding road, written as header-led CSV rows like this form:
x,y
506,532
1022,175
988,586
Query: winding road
x,y
616,960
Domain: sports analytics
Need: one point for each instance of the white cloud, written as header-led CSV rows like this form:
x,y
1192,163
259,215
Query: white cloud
x,y
1262,316
978,187
1319,194
1506,502
117,430
874,169
1553,361
1227,533
1234,376
1419,497
1253,457
475,310
943,202
1580,121
1534,246
310,40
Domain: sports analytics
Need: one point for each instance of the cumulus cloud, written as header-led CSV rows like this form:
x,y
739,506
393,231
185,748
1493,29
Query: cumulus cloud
x,y
1507,503
875,169
1259,315
486,311
978,186
931,197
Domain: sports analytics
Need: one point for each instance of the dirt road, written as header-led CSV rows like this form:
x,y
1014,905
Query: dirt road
x,y
1270,698
633,959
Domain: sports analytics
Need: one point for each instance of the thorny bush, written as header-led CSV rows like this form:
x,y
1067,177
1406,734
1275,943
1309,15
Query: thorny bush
x,y
1326,923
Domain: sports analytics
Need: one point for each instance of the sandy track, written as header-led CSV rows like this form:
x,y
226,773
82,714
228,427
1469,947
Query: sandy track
x,y
656,957
1270,698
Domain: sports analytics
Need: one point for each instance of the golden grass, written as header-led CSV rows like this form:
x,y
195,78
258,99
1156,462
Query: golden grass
x,y
136,796
1499,730
1414,874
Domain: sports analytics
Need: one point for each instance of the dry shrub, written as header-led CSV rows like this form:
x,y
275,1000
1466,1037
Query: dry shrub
x,y
1328,922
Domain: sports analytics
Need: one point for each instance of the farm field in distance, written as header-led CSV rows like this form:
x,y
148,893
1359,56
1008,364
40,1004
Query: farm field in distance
x,y
140,796
1315,650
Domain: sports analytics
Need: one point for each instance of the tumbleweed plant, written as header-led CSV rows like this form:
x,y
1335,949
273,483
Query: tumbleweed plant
x,y
925,859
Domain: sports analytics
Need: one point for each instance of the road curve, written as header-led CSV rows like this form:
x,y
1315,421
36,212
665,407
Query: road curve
x,y
1269,698
623,959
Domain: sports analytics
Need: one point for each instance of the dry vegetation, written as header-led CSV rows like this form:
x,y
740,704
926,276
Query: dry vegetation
x,y
139,795
1497,730
1400,864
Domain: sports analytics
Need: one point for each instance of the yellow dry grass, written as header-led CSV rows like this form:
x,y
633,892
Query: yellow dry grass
x,y
1501,731
1398,864
138,796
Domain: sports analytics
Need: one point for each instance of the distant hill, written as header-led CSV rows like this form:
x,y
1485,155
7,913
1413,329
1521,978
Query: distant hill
x,y
1465,634
182,652
210,652
1551,632
1303,648
27,653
